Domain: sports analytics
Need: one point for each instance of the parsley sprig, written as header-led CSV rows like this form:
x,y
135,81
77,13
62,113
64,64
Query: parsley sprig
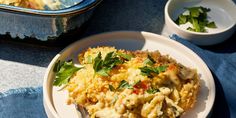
x,y
152,91
125,56
149,61
64,71
103,67
149,71
197,16
123,85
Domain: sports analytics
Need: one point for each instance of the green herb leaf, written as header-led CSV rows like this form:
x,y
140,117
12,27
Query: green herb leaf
x,y
98,62
104,71
111,88
191,29
109,59
148,70
152,91
182,19
103,67
202,23
205,9
211,25
195,24
194,11
160,69
149,61
64,71
58,65
115,61
124,84
197,16
125,56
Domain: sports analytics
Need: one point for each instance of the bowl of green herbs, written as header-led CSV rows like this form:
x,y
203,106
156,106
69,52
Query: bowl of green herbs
x,y
203,22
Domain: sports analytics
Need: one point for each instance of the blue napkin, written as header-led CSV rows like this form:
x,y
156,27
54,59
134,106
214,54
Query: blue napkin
x,y
28,103
22,103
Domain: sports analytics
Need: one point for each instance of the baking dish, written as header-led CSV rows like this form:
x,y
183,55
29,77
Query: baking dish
x,y
44,25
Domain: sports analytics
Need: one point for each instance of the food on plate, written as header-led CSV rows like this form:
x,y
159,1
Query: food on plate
x,y
112,83
33,4
198,18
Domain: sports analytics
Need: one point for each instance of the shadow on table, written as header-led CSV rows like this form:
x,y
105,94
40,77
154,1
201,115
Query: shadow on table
x,y
220,108
227,46
27,54
138,15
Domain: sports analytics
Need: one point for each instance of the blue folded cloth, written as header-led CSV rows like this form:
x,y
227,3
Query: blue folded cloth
x,y
28,102
22,103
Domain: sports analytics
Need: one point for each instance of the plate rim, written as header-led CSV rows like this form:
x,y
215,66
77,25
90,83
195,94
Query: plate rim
x,y
47,82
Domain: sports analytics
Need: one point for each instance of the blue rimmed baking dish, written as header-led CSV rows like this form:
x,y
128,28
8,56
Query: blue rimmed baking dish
x,y
44,25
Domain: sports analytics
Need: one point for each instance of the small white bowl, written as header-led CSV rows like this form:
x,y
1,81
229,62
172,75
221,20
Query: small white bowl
x,y
222,13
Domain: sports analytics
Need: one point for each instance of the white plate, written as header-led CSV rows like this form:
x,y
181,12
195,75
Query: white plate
x,y
55,101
